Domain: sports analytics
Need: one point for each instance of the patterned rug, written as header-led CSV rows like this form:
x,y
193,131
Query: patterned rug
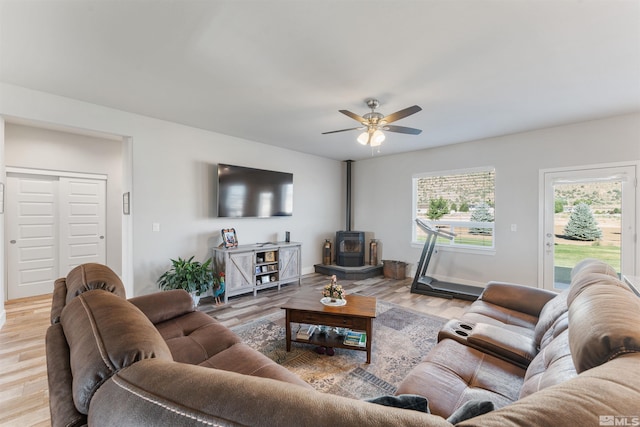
x,y
401,340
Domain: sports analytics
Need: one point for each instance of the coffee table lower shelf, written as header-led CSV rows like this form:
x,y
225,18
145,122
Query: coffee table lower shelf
x,y
330,340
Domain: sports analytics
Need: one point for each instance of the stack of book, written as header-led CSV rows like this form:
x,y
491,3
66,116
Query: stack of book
x,y
356,339
305,331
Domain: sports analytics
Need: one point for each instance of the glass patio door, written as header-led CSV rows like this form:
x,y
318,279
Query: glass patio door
x,y
588,213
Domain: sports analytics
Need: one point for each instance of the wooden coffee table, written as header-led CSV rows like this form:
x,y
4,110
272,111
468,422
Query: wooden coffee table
x,y
357,314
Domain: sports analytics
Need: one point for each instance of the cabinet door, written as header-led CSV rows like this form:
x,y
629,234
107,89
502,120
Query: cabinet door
x,y
289,263
239,271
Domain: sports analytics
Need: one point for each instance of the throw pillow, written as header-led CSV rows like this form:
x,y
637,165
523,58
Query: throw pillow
x,y
471,409
403,401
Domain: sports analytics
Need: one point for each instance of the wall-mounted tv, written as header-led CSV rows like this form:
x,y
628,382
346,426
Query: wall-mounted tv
x,y
253,193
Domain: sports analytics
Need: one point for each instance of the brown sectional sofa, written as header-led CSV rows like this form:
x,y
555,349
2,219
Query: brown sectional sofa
x,y
541,359
517,342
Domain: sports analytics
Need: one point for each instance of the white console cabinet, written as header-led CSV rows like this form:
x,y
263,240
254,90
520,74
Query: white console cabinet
x,y
249,268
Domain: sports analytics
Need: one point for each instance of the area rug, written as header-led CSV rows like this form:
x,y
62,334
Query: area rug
x,y
402,338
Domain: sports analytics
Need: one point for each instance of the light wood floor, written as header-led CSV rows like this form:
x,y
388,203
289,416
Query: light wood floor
x,y
24,398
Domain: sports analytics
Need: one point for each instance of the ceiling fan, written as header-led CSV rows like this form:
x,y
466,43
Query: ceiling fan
x,y
374,123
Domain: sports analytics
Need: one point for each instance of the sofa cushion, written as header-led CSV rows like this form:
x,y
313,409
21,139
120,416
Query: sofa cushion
x,y
91,276
592,265
503,343
485,312
242,359
552,365
105,333
549,314
603,322
518,298
195,337
583,281
163,306
611,389
452,374
559,326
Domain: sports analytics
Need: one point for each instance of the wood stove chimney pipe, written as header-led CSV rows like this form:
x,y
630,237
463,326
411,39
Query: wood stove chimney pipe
x,y
349,162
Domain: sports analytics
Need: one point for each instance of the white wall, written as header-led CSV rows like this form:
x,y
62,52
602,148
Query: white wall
x,y
171,183
3,292
383,199
37,148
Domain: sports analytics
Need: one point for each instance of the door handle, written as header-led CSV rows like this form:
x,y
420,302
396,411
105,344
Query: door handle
x,y
13,242
101,237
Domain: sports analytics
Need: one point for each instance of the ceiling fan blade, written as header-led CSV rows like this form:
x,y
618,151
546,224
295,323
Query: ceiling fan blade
x,y
354,116
341,130
403,129
402,114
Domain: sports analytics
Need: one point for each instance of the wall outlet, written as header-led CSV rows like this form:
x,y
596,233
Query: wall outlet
x,y
155,227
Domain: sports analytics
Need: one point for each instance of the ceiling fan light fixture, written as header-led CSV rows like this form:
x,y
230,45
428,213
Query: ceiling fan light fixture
x,y
377,138
363,138
374,123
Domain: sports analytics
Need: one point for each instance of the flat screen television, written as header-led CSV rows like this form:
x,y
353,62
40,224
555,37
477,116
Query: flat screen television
x,y
253,193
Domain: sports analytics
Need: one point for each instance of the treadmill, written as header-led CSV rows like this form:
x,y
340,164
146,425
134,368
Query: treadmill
x,y
427,285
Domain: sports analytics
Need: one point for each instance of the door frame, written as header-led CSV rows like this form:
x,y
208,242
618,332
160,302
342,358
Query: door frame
x,y
60,174
629,268
127,141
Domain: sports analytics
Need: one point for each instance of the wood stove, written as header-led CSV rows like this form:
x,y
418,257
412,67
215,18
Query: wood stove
x,y
350,248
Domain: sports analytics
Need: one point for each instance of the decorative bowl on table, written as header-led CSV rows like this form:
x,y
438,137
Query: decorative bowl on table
x,y
333,302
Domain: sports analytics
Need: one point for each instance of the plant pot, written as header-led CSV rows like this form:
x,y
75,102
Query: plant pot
x,y
195,298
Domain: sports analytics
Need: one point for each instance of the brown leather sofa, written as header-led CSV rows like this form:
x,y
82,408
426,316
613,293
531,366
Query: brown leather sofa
x,y
539,354
155,360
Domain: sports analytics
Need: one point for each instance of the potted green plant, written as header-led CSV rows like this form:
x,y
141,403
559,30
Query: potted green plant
x,y
192,276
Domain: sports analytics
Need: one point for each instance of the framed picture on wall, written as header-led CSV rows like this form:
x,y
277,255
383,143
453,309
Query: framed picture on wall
x,y
229,238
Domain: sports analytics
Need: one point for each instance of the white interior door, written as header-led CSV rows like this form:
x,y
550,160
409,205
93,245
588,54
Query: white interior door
x,y
52,225
588,213
82,222
32,227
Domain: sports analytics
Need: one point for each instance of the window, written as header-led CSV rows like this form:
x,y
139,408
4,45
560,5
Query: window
x,y
458,202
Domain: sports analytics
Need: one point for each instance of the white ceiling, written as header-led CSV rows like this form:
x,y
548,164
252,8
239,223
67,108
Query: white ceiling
x,y
278,71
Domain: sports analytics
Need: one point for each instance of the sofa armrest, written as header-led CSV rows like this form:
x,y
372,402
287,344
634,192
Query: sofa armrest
x,y
503,343
61,407
173,393
524,299
58,300
161,306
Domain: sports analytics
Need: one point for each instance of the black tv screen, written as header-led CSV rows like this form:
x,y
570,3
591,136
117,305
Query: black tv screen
x,y
255,193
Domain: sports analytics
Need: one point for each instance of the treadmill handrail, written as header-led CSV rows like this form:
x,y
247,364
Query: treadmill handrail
x,y
429,229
